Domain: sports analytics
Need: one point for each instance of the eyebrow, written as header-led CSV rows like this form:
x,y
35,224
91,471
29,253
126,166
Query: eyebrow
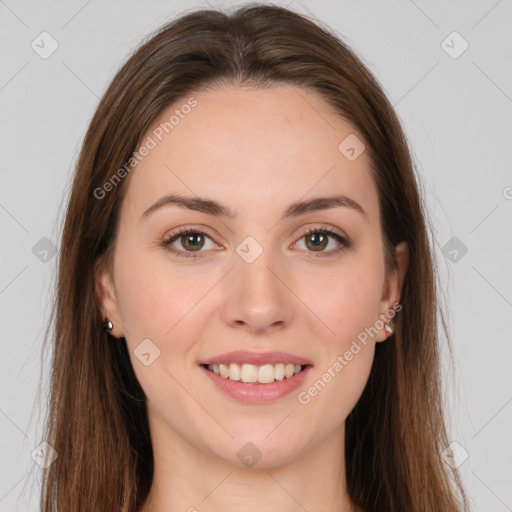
x,y
212,207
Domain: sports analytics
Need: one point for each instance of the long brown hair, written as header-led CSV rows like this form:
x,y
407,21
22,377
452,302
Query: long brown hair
x,y
97,419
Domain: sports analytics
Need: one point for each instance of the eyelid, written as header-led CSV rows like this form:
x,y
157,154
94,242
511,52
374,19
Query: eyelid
x,y
340,238
304,231
324,228
167,240
196,228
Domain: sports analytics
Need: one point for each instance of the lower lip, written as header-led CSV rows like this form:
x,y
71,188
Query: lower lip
x,y
255,392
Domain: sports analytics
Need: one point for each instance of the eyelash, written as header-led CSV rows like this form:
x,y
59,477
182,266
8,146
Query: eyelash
x,y
188,254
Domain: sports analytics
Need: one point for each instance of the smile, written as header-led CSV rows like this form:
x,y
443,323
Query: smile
x,y
251,373
256,377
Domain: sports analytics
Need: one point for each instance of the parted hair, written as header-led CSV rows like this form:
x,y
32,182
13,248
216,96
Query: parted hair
x,y
97,417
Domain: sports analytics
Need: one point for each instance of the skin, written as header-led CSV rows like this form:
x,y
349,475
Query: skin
x,y
257,151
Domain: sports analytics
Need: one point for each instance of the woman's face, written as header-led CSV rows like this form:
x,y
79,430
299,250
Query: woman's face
x,y
254,282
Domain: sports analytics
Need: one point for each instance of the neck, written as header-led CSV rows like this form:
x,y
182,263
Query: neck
x,y
191,480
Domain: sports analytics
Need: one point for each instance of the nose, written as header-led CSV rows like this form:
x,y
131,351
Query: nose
x,y
256,295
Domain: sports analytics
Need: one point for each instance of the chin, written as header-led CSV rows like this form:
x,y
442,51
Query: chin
x,y
261,449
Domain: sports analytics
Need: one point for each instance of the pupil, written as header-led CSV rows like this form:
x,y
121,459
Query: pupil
x,y
190,239
318,240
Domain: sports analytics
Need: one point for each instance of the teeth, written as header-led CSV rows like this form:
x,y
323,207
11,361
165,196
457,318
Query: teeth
x,y
223,369
249,373
279,371
234,371
264,374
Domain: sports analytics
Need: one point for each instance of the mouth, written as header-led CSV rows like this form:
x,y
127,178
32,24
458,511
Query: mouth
x,y
248,373
256,377
252,377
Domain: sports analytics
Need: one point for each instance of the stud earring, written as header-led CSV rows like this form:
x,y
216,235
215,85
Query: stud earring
x,y
389,328
108,325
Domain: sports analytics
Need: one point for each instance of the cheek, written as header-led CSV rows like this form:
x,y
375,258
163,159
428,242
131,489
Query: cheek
x,y
337,387
337,383
348,303
153,300
345,302
157,303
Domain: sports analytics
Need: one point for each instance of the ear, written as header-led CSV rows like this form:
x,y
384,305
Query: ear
x,y
105,294
393,287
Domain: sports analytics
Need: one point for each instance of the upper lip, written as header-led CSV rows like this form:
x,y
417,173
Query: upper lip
x,y
256,358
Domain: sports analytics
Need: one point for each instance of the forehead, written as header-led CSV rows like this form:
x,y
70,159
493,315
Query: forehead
x,y
252,149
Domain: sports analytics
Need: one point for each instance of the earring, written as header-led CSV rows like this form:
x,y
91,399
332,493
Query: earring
x,y
389,328
108,325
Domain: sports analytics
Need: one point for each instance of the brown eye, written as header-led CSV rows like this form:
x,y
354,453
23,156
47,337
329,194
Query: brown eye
x,y
187,242
318,241
192,241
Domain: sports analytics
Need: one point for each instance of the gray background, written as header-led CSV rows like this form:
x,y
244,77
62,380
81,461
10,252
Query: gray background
x,y
457,115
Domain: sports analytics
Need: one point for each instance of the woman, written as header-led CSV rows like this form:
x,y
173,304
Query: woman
x,y
246,304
